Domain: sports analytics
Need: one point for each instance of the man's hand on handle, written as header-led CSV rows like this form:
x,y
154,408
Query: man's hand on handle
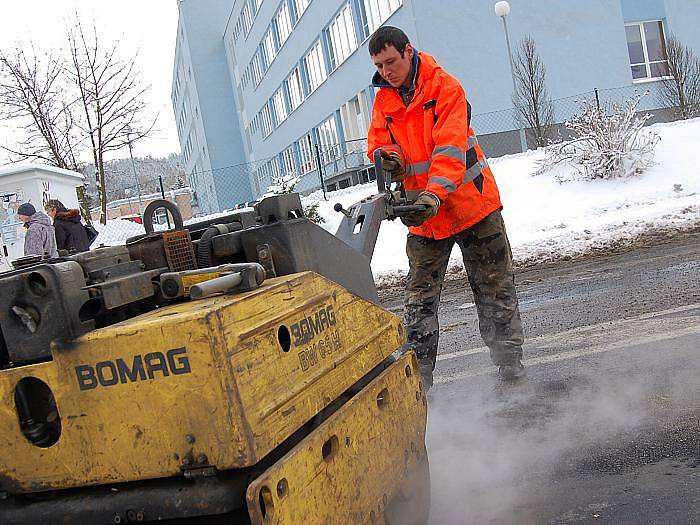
x,y
431,204
393,164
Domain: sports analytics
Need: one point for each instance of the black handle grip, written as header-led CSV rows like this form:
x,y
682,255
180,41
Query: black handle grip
x,y
378,171
408,209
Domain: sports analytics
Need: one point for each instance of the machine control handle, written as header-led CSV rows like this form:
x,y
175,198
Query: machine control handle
x,y
379,172
400,211
339,207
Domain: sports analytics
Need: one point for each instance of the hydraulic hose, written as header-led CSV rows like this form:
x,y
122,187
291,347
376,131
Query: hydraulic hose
x,y
205,249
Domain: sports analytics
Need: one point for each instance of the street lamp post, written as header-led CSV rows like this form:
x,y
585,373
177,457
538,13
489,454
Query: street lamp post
x,y
133,166
502,9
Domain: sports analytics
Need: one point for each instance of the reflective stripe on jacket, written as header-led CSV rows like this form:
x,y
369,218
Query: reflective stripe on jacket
x,y
441,151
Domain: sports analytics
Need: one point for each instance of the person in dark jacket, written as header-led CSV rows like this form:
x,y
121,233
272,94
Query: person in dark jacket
x,y
70,232
40,239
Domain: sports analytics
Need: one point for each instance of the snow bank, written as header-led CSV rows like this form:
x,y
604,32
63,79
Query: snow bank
x,y
546,218
116,232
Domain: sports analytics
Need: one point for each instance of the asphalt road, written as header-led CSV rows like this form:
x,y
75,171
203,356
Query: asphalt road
x,y
606,427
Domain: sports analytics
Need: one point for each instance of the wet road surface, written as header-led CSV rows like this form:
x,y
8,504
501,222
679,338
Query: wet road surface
x,y
605,429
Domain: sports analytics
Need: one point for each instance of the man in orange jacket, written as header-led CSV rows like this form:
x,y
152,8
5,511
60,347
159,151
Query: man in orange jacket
x,y
421,123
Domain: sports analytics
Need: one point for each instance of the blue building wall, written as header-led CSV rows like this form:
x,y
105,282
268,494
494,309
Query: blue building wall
x,y
213,111
582,44
642,10
684,22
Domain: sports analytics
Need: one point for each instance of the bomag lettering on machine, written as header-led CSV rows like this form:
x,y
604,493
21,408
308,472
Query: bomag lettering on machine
x,y
270,391
109,373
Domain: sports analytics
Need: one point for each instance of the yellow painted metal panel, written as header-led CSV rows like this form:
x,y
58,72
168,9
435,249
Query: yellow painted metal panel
x,y
219,382
354,466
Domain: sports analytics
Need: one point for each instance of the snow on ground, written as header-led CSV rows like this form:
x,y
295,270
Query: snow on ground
x,y
116,231
546,219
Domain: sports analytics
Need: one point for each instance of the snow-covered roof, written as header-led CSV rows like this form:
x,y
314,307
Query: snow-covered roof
x,y
15,169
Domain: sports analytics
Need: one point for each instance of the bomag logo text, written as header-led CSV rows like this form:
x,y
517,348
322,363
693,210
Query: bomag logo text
x,y
305,330
149,366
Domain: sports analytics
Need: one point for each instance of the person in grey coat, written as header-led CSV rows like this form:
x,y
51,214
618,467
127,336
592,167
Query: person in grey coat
x,y
40,238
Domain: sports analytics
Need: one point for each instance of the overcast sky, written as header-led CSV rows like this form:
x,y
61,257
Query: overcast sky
x,y
148,27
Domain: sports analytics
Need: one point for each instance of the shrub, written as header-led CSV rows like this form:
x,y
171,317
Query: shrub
x,y
607,142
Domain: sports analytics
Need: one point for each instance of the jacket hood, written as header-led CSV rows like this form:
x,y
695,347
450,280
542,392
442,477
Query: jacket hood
x,y
68,215
39,218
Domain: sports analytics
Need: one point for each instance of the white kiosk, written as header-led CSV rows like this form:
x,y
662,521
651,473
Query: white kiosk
x,y
35,183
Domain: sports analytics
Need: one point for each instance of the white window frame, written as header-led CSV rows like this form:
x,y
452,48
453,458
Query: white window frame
x,y
257,67
376,12
315,65
289,164
246,18
269,47
647,63
329,141
295,89
307,155
280,106
266,124
283,21
342,36
301,6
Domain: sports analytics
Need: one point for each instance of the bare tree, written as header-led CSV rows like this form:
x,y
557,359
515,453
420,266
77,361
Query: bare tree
x,y
682,89
531,97
110,95
33,97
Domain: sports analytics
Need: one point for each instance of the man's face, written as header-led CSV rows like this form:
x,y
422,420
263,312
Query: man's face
x,y
23,218
394,68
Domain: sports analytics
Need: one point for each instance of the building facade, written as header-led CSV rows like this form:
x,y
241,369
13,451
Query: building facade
x,y
295,74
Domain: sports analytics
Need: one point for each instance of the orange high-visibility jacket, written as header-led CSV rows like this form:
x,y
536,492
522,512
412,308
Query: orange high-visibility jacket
x,y
439,147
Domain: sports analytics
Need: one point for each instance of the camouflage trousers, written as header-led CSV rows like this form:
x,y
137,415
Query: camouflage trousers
x,y
488,261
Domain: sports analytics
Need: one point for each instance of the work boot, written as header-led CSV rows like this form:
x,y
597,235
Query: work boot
x,y
511,371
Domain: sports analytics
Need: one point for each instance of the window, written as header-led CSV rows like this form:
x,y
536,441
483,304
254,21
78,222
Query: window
x,y
341,34
301,6
374,12
646,46
280,106
283,20
266,120
177,82
289,166
246,18
294,90
269,171
328,138
269,47
355,117
256,68
315,66
307,154
237,28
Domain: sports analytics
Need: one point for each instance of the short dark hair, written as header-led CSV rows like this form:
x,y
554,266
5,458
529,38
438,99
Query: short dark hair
x,y
387,36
